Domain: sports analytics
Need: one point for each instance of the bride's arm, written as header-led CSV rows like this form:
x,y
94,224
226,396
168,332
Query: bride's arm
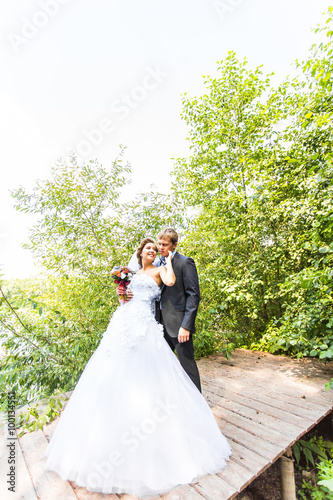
x,y
166,272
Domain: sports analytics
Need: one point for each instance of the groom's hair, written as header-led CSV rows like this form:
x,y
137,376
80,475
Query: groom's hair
x,y
169,234
141,247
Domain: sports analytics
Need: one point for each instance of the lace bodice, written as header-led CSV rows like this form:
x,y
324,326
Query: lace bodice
x,y
145,288
132,321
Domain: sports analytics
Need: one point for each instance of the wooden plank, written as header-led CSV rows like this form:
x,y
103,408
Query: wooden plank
x,y
253,444
239,457
267,449
213,487
3,459
48,484
298,396
273,376
183,493
48,429
267,421
24,489
235,434
311,404
247,458
83,494
270,400
125,496
314,423
236,475
243,422
282,415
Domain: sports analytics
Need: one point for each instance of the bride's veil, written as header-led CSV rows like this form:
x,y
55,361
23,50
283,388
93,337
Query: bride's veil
x,y
134,263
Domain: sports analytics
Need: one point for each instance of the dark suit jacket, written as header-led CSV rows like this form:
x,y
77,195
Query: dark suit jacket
x,y
180,302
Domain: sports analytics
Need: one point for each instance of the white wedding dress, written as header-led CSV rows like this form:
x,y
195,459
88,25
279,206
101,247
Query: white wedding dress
x,y
136,423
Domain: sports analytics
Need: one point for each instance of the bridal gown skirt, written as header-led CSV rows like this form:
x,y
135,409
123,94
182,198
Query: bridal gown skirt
x,y
136,423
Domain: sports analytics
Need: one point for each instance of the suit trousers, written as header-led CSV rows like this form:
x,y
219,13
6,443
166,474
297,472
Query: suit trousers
x,y
185,352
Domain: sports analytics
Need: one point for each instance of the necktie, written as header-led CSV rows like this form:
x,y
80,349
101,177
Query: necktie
x,y
162,261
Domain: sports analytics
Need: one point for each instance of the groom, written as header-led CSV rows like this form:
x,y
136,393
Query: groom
x,y
179,304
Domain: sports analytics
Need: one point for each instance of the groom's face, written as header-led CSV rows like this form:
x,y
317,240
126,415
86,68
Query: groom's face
x,y
165,246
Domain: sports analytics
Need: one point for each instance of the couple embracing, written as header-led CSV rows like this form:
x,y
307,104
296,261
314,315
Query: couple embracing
x,y
136,422
179,303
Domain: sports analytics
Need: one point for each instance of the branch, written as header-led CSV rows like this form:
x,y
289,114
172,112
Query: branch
x,y
27,340
92,225
27,329
13,310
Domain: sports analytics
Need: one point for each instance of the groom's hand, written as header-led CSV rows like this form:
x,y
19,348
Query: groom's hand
x,y
183,335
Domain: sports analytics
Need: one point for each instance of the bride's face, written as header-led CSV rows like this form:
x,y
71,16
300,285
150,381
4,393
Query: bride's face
x,y
149,252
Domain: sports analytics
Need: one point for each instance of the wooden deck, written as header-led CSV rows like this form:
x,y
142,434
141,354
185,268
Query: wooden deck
x,y
262,404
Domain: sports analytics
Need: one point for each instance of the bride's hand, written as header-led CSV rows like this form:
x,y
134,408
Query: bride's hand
x,y
166,272
168,258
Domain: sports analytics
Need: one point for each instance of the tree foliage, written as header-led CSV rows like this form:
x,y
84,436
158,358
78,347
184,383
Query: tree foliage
x,y
259,183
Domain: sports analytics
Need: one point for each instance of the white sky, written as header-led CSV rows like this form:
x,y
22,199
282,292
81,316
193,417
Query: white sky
x,y
68,67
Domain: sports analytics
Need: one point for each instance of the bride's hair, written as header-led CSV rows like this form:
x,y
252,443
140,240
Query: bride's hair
x,y
141,247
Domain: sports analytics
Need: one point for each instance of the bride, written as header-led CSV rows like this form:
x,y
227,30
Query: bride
x,y
136,423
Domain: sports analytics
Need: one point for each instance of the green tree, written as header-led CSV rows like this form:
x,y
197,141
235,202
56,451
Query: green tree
x,y
305,328
50,327
258,187
232,133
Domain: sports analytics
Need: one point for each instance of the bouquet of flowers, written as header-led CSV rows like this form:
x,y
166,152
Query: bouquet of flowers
x,y
122,276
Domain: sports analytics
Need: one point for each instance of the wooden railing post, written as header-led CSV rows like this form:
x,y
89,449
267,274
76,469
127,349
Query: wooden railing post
x,y
288,487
